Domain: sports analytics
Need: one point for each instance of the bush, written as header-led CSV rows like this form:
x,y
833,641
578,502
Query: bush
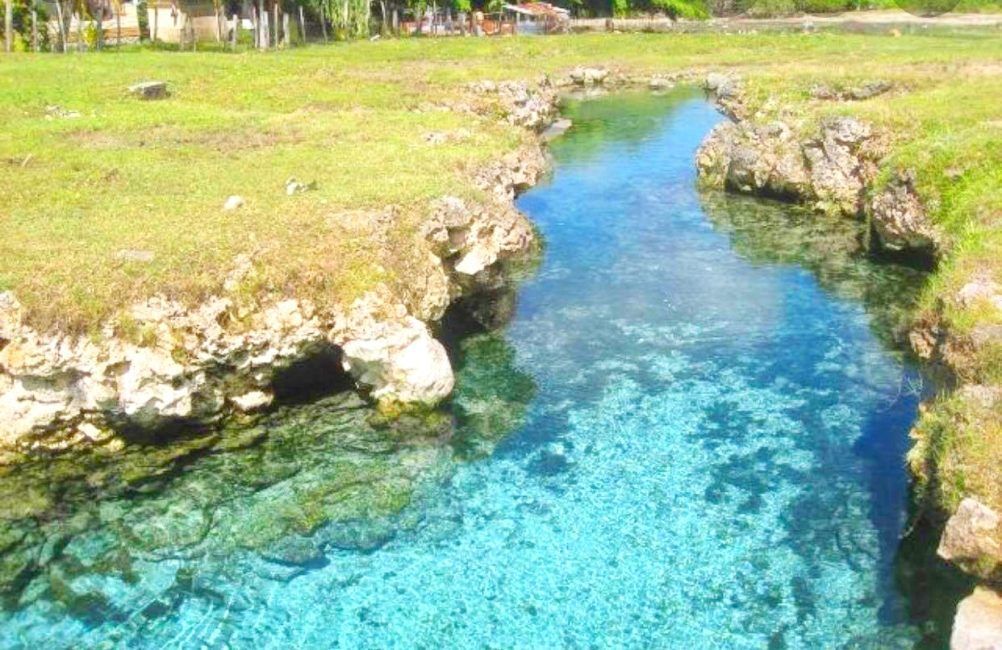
x,y
22,25
771,8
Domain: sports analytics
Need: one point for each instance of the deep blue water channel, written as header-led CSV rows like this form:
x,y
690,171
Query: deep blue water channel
x,y
689,435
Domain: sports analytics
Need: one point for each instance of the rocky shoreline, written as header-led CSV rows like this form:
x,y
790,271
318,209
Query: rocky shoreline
x,y
834,170
173,366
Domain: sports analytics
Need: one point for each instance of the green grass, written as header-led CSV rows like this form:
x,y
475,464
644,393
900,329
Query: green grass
x,y
153,176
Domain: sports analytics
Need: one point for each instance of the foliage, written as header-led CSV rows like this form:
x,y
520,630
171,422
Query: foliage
x,y
688,9
350,18
22,25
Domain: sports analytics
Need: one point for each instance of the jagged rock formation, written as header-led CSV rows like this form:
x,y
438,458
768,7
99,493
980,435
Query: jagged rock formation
x,y
829,171
899,217
832,170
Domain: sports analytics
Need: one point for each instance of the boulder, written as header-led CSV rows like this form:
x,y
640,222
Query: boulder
x,y
763,160
899,219
838,167
148,90
588,76
400,362
978,622
971,538
254,400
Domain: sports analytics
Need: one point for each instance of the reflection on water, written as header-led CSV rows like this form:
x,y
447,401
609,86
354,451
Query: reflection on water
x,y
690,434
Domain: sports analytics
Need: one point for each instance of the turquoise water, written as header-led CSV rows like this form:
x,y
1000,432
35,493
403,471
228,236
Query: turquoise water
x,y
689,435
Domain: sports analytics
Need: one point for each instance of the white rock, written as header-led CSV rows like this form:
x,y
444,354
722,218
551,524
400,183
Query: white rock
x,y
981,289
149,90
978,623
969,533
234,202
252,401
402,362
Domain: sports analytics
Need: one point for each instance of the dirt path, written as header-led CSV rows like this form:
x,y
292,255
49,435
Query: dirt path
x,y
852,21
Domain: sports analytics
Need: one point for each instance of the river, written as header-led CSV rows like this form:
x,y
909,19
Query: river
x,y
691,434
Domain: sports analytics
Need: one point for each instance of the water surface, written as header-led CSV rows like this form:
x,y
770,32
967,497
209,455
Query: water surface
x,y
690,435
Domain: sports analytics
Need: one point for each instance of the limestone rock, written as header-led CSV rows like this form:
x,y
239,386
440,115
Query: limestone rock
x,y
557,129
293,186
148,90
726,91
971,536
401,362
839,170
588,76
898,217
864,91
978,623
830,171
763,160
254,400
528,105
869,89
980,289
660,82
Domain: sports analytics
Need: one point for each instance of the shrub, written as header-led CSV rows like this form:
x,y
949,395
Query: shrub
x,y
22,25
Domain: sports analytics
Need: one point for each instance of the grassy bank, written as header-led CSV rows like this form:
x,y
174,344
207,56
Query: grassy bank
x,y
95,186
106,199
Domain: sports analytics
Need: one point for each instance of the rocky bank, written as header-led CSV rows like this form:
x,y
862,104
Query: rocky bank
x,y
164,364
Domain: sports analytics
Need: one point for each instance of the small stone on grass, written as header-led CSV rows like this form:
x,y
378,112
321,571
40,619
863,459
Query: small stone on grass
x,y
148,90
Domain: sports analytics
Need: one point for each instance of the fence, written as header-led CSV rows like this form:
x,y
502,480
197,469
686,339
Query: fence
x,y
190,25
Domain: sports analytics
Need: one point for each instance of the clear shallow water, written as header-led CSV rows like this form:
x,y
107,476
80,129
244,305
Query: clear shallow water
x,y
690,435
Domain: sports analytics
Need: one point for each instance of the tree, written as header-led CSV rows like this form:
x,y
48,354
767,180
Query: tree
x,y
8,26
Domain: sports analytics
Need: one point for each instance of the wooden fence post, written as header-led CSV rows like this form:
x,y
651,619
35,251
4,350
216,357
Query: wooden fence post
x,y
34,25
262,17
156,19
302,24
276,23
323,23
8,26
233,34
286,37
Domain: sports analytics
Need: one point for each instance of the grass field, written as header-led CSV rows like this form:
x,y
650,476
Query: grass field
x,y
127,175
